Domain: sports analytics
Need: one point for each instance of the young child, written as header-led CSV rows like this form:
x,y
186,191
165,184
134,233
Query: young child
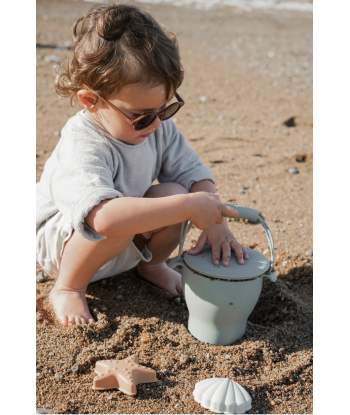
x,y
98,213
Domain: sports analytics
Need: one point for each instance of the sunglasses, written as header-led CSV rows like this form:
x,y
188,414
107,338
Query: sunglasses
x,y
146,120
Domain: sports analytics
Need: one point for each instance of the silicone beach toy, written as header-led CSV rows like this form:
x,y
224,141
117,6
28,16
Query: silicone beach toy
x,y
221,298
122,374
222,395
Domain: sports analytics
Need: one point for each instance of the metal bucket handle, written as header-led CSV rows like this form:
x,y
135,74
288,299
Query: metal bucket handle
x,y
244,213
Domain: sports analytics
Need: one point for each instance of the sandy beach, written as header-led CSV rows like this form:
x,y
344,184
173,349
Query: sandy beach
x,y
248,113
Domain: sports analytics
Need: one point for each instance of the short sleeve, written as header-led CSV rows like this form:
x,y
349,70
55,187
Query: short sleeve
x,y
180,162
82,179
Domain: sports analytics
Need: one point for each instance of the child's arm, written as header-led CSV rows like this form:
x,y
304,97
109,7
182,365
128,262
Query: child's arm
x,y
131,215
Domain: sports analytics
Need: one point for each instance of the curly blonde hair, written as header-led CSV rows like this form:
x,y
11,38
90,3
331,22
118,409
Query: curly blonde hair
x,y
116,45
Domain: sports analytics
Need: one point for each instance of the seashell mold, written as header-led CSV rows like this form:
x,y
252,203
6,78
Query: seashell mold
x,y
222,395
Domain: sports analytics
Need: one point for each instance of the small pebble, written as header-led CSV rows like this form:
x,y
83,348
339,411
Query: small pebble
x,y
284,263
103,308
221,117
184,359
58,133
119,297
309,253
58,376
177,300
228,356
172,313
273,403
242,191
203,99
44,411
75,367
145,338
270,54
41,277
293,170
207,356
266,351
176,330
266,251
110,397
51,58
103,282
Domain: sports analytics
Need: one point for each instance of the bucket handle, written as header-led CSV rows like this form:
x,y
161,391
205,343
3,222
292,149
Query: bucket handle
x,y
244,213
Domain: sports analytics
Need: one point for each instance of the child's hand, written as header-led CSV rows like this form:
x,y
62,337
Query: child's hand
x,y
221,239
206,210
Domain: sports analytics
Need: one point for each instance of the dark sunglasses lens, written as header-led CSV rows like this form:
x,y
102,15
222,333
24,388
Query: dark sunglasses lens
x,y
145,122
170,111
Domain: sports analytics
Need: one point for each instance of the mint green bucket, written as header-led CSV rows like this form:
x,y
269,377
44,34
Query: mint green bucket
x,y
220,299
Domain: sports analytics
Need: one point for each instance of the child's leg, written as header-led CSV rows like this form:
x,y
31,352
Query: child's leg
x,y
161,243
81,259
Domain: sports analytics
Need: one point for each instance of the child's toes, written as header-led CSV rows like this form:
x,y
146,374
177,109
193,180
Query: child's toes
x,y
77,320
179,289
63,320
71,321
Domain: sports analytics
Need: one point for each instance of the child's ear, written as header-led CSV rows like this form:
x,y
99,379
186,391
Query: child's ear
x,y
88,100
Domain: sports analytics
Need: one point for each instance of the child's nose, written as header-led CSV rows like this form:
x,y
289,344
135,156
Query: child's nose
x,y
156,123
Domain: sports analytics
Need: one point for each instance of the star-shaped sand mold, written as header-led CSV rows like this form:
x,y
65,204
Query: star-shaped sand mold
x,y
122,374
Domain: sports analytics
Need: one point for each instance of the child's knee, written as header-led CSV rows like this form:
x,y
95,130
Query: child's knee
x,y
166,189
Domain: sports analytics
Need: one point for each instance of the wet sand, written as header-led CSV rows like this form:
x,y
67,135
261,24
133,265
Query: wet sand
x,y
247,73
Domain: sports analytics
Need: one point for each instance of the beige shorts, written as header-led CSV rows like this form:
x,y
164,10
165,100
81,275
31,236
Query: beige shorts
x,y
55,232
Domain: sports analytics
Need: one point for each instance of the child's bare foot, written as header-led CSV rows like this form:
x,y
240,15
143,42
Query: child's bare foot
x,y
70,305
162,276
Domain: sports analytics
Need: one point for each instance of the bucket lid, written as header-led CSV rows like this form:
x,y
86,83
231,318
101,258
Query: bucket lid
x,y
222,395
255,266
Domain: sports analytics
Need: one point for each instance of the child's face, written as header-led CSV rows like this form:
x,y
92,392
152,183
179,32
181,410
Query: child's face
x,y
132,100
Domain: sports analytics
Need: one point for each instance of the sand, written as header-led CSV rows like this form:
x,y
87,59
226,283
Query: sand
x,y
247,73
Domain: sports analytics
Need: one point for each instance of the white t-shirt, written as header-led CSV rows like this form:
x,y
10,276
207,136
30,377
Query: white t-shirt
x,y
88,166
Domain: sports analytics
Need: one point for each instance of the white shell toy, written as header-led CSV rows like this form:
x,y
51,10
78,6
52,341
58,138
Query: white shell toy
x,y
222,395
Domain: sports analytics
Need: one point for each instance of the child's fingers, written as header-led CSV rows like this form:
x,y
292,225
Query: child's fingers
x,y
229,211
239,251
216,254
199,246
226,253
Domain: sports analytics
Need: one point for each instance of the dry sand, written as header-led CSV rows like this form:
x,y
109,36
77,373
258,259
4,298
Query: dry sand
x,y
255,71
